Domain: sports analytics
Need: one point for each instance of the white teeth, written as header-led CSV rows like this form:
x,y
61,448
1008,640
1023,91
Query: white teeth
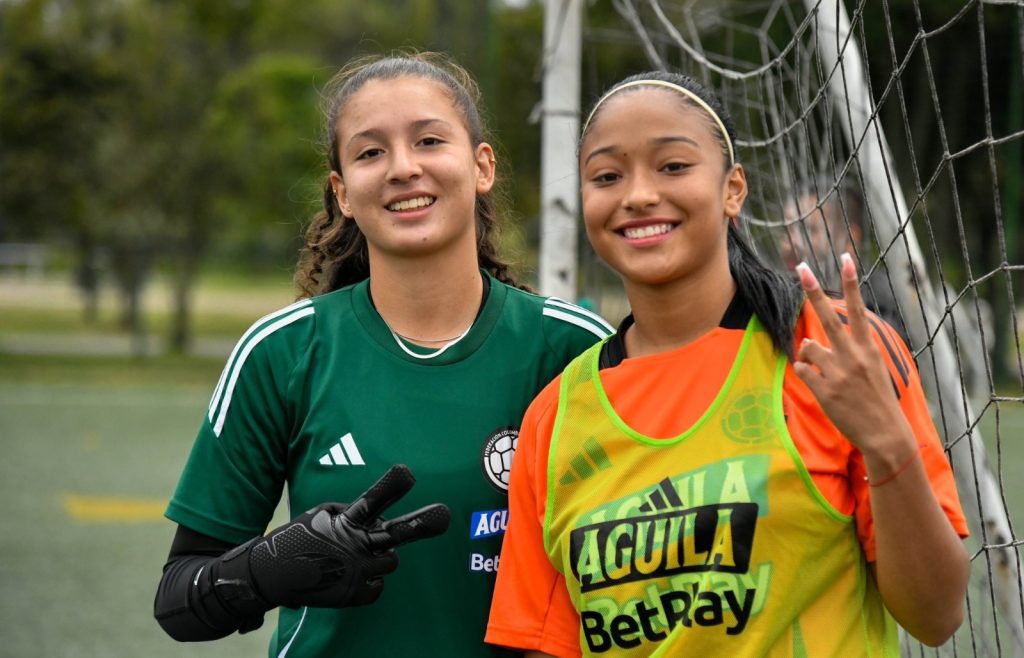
x,y
646,231
412,204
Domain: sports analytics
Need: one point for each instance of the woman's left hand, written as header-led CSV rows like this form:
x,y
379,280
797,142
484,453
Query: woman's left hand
x,y
848,376
852,384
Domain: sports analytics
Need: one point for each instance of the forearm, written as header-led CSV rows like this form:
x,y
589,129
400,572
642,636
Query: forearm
x,y
921,565
188,607
331,556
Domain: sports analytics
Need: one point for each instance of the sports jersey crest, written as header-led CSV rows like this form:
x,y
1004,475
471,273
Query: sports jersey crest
x,y
496,456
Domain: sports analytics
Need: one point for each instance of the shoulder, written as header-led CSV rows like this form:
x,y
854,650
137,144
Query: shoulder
x,y
558,316
564,325
563,316
269,347
275,329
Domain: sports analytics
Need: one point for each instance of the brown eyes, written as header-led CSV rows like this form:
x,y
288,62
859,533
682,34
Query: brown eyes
x,y
374,152
368,153
606,178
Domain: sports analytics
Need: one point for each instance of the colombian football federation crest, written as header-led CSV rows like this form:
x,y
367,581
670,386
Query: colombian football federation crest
x,y
496,456
749,418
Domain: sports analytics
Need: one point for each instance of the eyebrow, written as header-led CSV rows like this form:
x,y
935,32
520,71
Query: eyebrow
x,y
416,125
657,141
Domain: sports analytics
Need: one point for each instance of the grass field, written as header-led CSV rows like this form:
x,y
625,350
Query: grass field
x,y
87,472
94,443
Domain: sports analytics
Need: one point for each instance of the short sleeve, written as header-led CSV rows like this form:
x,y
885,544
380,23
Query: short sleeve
x,y
570,329
907,382
235,472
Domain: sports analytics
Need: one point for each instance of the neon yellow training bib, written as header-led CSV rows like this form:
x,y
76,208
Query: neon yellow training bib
x,y
712,543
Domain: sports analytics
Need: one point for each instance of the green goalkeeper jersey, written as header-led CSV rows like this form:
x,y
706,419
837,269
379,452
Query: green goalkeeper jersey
x,y
321,397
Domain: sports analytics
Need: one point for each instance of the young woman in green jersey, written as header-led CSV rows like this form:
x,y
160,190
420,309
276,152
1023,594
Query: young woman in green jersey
x,y
744,469
411,345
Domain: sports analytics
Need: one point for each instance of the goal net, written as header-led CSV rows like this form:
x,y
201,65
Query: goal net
x,y
893,130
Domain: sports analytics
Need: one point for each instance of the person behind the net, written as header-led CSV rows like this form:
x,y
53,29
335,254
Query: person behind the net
x,y
411,345
823,223
744,469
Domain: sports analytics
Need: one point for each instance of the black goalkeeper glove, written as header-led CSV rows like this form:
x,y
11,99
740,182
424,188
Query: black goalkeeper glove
x,y
332,556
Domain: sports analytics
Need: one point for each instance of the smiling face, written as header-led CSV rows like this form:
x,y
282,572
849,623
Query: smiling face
x,y
410,174
657,196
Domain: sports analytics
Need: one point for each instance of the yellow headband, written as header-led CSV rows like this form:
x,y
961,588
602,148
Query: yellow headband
x,y
670,85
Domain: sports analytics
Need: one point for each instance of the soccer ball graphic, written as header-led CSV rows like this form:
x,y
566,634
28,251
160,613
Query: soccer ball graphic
x,y
749,420
496,456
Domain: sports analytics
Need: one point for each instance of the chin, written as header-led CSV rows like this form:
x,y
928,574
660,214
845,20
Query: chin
x,y
648,278
647,274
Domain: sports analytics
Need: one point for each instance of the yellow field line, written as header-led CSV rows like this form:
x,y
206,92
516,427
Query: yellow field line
x,y
113,509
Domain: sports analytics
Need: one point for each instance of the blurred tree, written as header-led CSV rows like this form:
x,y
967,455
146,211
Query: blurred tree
x,y
261,127
162,131
55,99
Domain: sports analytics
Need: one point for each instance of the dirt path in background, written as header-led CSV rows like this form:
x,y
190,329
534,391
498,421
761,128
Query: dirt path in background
x,y
52,292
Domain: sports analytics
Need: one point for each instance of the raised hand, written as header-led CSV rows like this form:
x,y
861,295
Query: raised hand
x,y
425,522
332,556
848,376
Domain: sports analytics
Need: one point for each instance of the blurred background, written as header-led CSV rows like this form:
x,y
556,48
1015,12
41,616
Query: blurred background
x,y
159,159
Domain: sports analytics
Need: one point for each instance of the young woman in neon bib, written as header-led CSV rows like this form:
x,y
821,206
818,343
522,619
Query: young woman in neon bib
x,y
747,467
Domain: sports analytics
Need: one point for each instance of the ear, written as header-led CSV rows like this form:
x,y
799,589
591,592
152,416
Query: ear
x,y
734,191
340,195
485,168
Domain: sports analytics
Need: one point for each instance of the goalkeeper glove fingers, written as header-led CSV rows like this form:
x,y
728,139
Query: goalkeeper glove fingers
x,y
332,556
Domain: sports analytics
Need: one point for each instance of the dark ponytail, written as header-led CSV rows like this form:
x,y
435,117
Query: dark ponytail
x,y
773,297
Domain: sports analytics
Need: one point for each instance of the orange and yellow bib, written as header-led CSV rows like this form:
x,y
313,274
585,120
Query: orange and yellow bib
x,y
714,542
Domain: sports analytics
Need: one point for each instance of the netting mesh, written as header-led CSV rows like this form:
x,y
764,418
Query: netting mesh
x,y
893,132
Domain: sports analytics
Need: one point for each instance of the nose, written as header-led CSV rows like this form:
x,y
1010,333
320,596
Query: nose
x,y
403,165
642,192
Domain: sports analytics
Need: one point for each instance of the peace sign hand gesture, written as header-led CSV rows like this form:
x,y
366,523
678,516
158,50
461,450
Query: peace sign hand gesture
x,y
850,381
332,556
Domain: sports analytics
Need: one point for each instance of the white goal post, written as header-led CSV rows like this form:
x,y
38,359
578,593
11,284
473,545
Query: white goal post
x,y
978,488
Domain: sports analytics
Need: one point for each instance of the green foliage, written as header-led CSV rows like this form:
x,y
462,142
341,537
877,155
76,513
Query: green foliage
x,y
511,83
260,127
154,131
54,100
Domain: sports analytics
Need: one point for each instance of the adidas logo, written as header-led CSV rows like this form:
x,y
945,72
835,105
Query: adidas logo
x,y
591,460
343,453
662,498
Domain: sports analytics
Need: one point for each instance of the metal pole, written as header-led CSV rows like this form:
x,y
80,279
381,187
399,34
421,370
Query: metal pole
x,y
560,109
